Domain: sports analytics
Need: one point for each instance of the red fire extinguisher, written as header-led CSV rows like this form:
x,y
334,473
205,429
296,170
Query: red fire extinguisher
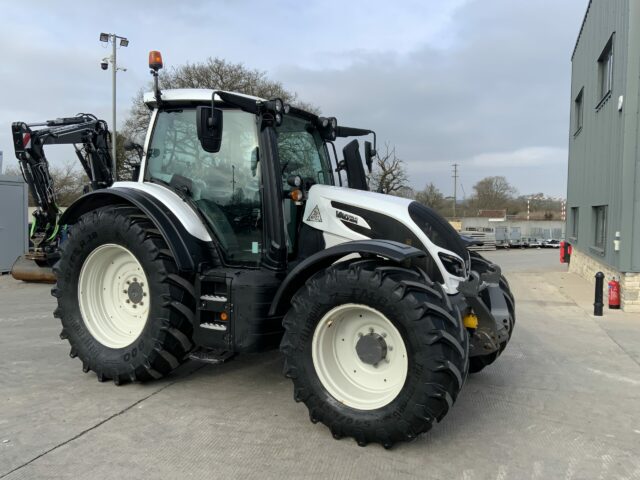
x,y
614,293
565,252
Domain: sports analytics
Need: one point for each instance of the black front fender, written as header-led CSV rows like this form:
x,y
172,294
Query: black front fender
x,y
395,251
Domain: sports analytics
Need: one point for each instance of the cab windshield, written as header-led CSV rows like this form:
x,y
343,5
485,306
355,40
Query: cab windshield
x,y
302,151
225,185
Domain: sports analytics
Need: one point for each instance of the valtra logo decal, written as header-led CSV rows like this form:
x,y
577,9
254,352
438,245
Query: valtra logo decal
x,y
346,217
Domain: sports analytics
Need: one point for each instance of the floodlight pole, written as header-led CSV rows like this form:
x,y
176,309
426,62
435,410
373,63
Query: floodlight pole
x,y
114,70
113,38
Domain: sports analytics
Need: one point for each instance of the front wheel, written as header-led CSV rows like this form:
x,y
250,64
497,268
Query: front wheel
x,y
375,351
123,306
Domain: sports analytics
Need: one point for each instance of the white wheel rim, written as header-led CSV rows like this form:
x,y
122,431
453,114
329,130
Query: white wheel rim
x,y
343,373
113,294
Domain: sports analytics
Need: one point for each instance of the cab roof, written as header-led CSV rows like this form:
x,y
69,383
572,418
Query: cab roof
x,y
190,95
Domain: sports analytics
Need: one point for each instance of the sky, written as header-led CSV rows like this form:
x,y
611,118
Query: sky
x,y
481,83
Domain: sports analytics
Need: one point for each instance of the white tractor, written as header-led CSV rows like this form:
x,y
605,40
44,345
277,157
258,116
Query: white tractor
x,y
235,239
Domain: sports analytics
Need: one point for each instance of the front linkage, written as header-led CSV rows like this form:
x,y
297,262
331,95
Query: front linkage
x,y
484,297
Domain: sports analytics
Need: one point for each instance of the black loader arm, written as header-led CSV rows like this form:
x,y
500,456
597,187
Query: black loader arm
x,y
92,142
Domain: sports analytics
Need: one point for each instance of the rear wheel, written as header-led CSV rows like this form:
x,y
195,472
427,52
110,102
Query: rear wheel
x,y
113,295
124,309
375,351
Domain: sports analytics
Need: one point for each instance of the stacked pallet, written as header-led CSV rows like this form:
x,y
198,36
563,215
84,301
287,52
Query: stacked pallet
x,y
486,236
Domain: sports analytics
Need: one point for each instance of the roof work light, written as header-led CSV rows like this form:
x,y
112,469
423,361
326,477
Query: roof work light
x,y
155,60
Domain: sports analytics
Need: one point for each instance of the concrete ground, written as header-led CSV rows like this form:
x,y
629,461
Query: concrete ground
x,y
562,402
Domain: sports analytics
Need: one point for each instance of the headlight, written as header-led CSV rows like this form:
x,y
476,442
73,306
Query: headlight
x,y
453,265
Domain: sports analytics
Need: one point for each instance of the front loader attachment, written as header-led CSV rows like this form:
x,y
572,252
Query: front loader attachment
x,y
27,268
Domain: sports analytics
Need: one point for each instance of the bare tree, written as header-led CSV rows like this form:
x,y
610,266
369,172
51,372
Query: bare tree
x,y
431,197
536,206
389,175
214,73
406,192
493,193
126,160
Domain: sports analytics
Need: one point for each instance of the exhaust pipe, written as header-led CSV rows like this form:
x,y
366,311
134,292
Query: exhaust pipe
x,y
28,270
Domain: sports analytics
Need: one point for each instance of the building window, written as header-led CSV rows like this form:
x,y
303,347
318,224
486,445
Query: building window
x,y
575,217
577,111
600,227
605,70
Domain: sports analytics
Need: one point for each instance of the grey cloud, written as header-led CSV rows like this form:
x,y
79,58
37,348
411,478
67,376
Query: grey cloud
x,y
500,90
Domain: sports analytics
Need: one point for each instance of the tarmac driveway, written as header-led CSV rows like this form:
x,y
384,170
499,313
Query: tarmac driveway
x,y
562,402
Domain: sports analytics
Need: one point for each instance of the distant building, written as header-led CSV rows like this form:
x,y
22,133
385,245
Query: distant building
x,y
518,229
603,194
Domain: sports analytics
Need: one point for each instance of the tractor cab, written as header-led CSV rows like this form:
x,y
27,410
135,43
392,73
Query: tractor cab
x,y
255,177
246,165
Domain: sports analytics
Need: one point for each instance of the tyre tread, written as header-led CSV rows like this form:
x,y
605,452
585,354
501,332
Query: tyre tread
x,y
174,342
436,324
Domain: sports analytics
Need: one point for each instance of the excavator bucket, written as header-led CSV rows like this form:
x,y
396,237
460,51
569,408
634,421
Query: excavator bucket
x,y
28,270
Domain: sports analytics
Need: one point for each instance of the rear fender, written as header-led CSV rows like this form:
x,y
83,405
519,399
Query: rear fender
x,y
186,249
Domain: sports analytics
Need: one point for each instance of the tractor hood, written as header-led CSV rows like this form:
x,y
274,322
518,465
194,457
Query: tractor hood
x,y
345,214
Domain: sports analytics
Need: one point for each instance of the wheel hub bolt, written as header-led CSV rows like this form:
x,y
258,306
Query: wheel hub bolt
x,y
371,349
135,292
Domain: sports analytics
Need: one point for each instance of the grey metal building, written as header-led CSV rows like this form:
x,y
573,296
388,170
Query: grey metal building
x,y
13,220
603,193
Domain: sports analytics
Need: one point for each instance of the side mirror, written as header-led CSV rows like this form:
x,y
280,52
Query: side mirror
x,y
209,123
356,177
369,154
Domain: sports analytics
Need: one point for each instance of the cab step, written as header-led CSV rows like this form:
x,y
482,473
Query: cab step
x,y
211,356
213,328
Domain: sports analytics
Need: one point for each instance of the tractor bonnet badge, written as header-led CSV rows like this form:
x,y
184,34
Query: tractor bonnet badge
x,y
314,216
346,217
